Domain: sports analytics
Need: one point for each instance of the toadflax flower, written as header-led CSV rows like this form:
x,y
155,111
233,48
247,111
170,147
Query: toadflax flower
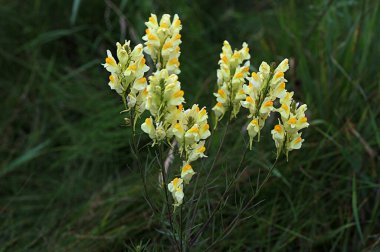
x,y
176,188
263,88
286,134
127,75
162,40
234,67
163,97
189,130
187,172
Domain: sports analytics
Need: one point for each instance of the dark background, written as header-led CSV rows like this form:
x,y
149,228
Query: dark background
x,y
68,181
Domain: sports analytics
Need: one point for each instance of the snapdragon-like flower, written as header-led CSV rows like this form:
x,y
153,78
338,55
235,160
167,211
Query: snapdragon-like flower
x,y
191,126
187,172
263,88
176,188
127,75
190,129
234,68
164,97
162,42
286,134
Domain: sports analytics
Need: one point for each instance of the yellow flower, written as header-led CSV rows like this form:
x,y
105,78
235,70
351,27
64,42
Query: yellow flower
x,y
164,93
278,135
266,107
253,129
156,132
115,84
295,142
162,40
196,151
110,63
148,127
127,75
250,104
195,124
219,110
284,109
176,188
187,173
234,67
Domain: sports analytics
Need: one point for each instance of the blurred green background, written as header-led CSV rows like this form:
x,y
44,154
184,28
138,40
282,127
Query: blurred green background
x,y
68,181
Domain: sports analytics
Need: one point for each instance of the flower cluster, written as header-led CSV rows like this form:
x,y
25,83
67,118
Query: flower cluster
x,y
234,68
190,129
286,133
162,42
164,97
127,76
263,88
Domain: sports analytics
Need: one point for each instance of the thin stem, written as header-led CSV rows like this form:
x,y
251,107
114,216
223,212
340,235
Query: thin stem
x,y
142,174
135,151
162,166
232,224
181,230
225,194
209,172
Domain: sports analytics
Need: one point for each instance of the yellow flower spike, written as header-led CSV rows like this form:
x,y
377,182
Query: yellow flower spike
x,y
162,42
234,67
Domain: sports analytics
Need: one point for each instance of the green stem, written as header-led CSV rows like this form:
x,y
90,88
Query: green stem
x,y
234,221
225,194
163,172
208,175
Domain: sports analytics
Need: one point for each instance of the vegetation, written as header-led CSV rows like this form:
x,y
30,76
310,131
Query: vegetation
x,y
68,178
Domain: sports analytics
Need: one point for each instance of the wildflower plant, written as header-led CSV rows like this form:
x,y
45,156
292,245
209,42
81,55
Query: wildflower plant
x,y
234,68
183,132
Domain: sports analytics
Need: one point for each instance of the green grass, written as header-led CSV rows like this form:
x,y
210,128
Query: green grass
x,y
68,181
